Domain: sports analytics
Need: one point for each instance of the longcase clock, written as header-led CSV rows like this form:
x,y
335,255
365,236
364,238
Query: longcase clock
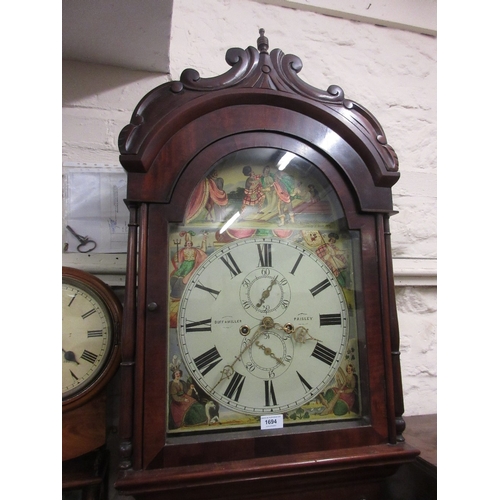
x,y
260,343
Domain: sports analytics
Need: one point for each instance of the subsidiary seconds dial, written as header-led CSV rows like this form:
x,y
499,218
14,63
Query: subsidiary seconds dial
x,y
265,291
262,325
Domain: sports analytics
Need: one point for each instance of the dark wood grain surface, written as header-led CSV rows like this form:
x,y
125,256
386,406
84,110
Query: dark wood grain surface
x,y
421,432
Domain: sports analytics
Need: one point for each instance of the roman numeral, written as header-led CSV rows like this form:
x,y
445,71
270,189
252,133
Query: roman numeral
x,y
320,287
269,393
329,319
207,360
72,299
324,354
88,313
199,326
233,390
297,262
265,256
231,264
94,333
89,356
304,382
73,375
211,291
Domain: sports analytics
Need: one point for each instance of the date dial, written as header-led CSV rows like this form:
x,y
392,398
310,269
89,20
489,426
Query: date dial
x,y
269,356
265,291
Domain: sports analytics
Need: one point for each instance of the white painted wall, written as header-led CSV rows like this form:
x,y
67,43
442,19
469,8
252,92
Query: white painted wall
x,y
390,71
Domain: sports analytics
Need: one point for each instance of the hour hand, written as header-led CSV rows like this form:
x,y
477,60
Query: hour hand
x,y
70,356
226,373
268,352
228,370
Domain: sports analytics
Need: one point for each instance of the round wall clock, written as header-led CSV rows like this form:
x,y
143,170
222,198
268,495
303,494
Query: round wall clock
x,y
91,319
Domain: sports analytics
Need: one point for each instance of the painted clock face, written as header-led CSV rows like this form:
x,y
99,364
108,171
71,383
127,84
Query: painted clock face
x,y
86,337
263,315
263,326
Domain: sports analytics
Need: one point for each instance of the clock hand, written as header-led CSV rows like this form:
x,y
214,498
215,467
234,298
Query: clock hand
x,y
70,356
267,292
268,352
267,323
228,370
300,333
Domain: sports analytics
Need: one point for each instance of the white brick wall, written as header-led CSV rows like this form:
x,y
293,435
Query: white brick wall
x,y
98,102
391,72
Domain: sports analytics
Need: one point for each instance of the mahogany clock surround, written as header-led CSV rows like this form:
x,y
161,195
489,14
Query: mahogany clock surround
x,y
195,150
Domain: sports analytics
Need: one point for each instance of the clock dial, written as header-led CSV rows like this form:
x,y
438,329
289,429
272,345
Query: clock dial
x,y
86,337
281,343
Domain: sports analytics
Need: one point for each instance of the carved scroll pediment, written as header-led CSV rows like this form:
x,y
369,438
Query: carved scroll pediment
x,y
279,71
258,70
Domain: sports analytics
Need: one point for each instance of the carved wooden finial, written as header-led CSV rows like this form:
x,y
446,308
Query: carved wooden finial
x,y
262,41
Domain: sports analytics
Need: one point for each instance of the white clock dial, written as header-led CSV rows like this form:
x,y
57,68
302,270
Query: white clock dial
x,y
85,338
263,325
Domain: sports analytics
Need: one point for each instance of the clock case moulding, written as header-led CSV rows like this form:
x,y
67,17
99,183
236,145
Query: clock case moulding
x,y
177,131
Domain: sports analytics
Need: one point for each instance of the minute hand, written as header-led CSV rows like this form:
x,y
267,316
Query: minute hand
x,y
228,369
299,333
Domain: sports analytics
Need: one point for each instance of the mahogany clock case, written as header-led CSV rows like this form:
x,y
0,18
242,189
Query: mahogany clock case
x,y
178,133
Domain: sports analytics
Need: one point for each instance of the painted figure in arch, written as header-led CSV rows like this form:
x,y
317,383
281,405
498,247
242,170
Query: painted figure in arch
x,y
217,197
267,179
254,195
313,194
285,189
208,199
